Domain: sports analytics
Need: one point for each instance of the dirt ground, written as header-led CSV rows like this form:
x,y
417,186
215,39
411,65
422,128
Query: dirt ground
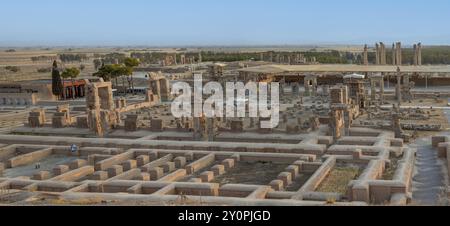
x,y
338,179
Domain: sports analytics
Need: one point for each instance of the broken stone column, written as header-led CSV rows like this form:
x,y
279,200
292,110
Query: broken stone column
x,y
197,133
165,89
396,126
156,125
59,120
82,122
37,118
398,88
131,123
211,128
237,126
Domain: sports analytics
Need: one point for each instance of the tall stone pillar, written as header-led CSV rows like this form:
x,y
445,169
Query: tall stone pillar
x,y
373,89
382,90
398,88
165,89
419,54
198,133
307,87
394,55
365,56
399,53
200,58
383,54
377,55
211,129
415,55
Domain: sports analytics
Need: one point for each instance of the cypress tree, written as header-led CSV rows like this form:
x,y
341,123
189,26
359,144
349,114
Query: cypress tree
x,y
57,85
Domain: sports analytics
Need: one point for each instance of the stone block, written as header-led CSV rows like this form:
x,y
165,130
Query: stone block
x,y
168,167
143,177
236,157
293,169
207,176
77,164
35,121
2,167
115,170
277,185
286,177
156,173
180,162
237,126
156,125
131,123
60,169
438,139
59,121
82,122
129,164
189,156
357,154
153,155
142,160
299,163
42,175
195,180
228,163
100,175
218,170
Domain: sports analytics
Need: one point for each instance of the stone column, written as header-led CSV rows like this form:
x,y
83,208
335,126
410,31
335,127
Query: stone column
x,y
394,55
399,53
372,89
383,54
365,56
382,89
419,54
415,59
377,56
398,88
307,87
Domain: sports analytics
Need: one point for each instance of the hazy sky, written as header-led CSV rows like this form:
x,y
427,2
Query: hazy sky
x,y
222,22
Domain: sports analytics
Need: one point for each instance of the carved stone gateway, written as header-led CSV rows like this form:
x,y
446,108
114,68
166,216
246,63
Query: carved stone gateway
x,y
101,109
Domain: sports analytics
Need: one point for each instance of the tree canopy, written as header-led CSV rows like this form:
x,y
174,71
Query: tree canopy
x,y
112,71
72,73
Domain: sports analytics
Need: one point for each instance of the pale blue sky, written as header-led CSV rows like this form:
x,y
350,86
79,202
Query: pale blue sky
x,y
222,22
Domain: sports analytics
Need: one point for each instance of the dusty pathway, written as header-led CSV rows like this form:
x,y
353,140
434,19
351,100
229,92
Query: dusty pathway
x,y
429,181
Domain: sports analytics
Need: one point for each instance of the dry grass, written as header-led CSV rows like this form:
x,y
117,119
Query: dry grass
x,y
338,179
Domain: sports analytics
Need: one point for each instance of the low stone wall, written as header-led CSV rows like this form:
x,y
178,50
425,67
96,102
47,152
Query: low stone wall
x,y
29,158
18,99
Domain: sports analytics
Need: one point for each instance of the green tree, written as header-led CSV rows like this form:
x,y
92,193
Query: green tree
x,y
71,73
97,63
131,63
57,85
113,72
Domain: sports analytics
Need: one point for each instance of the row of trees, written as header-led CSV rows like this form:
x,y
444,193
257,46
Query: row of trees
x,y
112,72
72,57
